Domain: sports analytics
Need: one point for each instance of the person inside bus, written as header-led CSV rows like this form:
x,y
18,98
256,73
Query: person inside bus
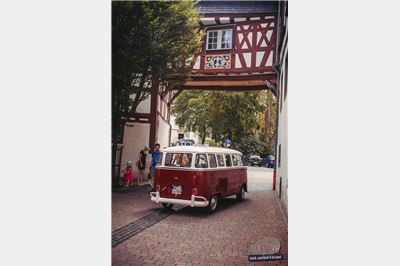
x,y
176,160
184,160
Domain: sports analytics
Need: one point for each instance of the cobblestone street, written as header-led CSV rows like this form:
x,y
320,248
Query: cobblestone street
x,y
131,204
190,236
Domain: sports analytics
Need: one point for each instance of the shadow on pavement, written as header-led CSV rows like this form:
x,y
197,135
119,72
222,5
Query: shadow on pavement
x,y
123,190
224,204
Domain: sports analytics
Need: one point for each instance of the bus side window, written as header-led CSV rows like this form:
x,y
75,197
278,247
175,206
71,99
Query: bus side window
x,y
228,160
240,159
235,160
213,161
220,159
201,161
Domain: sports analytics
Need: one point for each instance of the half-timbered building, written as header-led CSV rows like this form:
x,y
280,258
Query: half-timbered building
x,y
239,53
239,50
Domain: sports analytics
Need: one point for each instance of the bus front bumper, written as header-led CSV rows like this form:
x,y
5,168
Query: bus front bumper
x,y
195,201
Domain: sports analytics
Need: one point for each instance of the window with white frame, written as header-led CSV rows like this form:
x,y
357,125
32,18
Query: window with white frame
x,y
219,39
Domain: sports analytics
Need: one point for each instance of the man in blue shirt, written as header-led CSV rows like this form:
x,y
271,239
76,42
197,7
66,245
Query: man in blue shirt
x,y
155,155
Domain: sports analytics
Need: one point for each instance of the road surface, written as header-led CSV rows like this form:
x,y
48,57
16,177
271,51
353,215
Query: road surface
x,y
145,235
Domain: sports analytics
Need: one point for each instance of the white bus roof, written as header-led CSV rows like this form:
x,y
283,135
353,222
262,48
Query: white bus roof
x,y
200,149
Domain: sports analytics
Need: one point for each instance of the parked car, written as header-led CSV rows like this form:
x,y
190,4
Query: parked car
x,y
254,160
268,161
198,176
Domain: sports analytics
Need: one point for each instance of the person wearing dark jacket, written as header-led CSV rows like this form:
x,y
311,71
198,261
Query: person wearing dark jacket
x,y
142,164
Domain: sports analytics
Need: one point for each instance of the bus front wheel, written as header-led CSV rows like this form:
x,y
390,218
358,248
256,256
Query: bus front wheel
x,y
212,203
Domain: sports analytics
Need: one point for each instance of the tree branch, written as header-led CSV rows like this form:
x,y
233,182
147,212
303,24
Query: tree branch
x,y
138,95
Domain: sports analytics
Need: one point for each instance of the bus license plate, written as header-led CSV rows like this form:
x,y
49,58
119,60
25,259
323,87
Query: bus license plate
x,y
177,190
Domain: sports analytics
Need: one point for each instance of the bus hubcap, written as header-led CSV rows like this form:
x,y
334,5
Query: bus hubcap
x,y
213,203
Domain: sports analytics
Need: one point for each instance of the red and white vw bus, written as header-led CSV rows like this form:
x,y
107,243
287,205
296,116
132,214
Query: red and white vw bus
x,y
198,176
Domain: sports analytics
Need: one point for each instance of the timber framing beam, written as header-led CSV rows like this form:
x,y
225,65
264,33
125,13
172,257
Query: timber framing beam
x,y
228,85
226,77
225,88
153,112
174,97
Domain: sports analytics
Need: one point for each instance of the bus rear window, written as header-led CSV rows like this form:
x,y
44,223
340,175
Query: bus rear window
x,y
178,159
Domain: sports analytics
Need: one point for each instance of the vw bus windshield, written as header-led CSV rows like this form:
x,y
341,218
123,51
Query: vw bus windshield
x,y
178,159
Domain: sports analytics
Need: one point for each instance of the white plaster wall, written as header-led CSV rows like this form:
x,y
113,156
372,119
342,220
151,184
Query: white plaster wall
x,y
247,59
172,122
144,106
174,135
259,57
197,63
194,136
187,135
282,171
134,140
163,133
175,130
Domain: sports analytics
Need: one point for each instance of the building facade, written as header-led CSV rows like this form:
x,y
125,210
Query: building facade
x,y
178,133
244,49
238,52
282,132
137,132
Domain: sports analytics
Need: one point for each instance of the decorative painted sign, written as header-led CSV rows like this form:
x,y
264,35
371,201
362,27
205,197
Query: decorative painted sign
x,y
218,61
266,249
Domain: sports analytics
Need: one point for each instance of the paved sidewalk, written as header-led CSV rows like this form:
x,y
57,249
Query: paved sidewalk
x,y
192,237
130,204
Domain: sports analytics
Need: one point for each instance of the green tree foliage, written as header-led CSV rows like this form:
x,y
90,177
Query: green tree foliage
x,y
151,40
193,112
234,114
267,120
240,116
253,145
130,38
218,114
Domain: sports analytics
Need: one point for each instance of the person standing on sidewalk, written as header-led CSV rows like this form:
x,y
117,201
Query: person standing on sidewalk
x,y
142,163
155,156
